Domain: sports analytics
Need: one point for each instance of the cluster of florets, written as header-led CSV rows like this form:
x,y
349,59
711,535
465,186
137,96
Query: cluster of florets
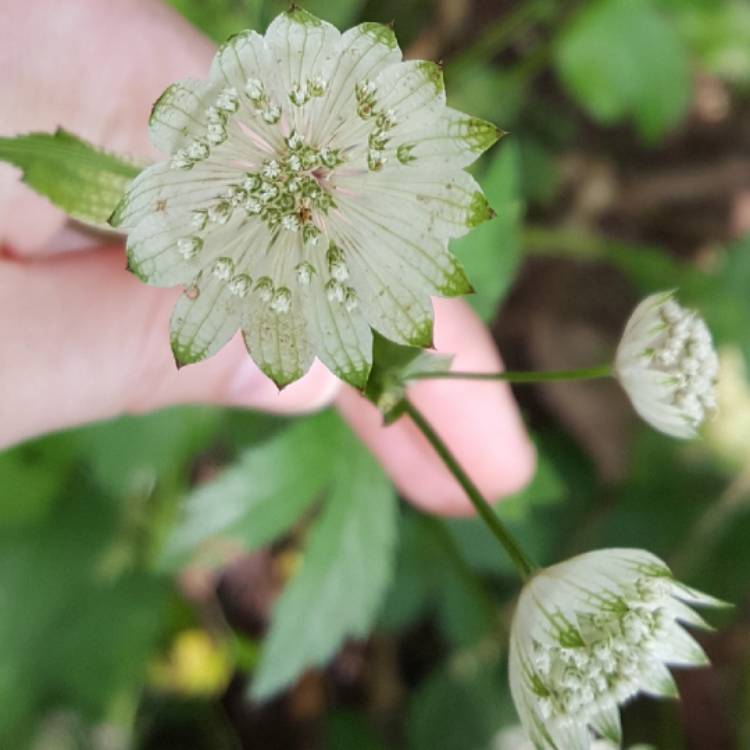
x,y
217,116
384,121
685,352
668,366
591,632
599,661
284,193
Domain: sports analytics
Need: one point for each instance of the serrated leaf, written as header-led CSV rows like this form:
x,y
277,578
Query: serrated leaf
x,y
85,182
259,497
491,252
622,58
345,570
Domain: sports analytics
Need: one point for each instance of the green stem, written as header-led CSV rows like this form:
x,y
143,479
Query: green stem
x,y
524,566
586,373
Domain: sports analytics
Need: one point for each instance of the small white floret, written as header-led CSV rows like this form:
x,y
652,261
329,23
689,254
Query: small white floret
x,y
667,365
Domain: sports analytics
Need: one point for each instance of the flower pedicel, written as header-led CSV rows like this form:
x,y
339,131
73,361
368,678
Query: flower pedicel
x,y
313,184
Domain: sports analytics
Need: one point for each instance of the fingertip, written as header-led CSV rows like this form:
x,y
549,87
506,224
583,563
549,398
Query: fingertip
x,y
500,464
21,234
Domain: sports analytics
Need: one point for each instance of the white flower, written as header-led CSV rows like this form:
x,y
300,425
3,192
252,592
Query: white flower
x,y
303,144
590,633
514,738
667,365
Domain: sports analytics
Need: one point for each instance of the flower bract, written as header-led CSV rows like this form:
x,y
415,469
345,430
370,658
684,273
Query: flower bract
x,y
667,365
514,738
590,633
312,186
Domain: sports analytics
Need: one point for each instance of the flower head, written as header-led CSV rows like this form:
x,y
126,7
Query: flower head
x,y
514,738
590,633
313,184
667,365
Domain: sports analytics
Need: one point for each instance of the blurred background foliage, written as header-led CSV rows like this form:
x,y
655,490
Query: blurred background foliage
x,y
163,577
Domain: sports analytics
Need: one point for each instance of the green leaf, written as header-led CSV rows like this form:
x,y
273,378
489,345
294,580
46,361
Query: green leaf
x,y
490,253
259,497
219,19
456,710
432,578
494,95
128,453
345,570
340,13
222,18
72,636
719,34
723,299
82,180
31,476
622,58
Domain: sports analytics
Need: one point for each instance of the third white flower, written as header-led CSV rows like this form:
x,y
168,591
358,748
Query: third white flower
x,y
667,365
590,633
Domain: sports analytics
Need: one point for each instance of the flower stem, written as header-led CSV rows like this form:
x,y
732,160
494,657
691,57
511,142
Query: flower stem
x,y
523,565
587,373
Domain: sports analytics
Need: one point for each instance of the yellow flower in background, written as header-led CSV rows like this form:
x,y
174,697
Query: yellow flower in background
x,y
196,665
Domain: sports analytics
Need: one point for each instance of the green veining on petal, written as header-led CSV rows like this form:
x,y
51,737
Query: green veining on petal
x,y
167,101
456,283
480,134
381,33
433,73
121,208
421,335
479,211
356,377
303,17
185,354
280,376
134,266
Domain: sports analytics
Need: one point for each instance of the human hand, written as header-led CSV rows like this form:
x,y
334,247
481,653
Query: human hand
x,y
84,340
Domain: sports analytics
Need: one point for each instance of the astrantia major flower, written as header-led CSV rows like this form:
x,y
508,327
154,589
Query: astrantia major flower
x,y
667,365
514,738
590,633
313,184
